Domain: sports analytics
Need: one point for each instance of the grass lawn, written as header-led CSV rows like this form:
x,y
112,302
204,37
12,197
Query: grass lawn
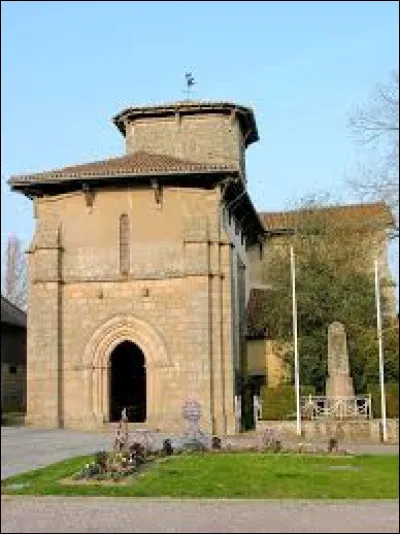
x,y
232,475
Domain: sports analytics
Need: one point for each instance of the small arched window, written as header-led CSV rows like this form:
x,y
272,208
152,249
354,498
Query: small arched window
x,y
124,238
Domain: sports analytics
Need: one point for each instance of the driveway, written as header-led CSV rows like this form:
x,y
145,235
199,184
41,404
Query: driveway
x,y
87,514
24,448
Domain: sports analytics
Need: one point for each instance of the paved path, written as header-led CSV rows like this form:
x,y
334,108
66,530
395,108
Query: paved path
x,y
24,448
87,514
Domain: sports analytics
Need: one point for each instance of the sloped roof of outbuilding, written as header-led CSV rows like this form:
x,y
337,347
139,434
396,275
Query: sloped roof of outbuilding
x,y
376,213
11,314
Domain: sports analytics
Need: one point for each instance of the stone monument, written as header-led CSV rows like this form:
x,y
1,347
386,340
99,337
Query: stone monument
x,y
339,382
194,439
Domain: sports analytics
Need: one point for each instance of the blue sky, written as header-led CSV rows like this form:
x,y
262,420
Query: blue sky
x,y
68,67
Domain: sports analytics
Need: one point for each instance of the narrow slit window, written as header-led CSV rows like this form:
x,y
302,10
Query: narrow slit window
x,y
124,239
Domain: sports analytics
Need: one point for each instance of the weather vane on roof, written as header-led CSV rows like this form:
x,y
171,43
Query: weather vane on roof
x,y
189,83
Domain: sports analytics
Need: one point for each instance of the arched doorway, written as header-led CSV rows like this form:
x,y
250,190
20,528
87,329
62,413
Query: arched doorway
x,y
102,343
128,382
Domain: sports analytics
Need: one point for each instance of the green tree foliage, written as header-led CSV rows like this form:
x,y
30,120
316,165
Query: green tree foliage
x,y
392,399
334,282
280,402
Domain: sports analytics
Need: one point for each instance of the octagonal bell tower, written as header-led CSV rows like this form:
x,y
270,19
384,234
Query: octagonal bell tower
x,y
202,132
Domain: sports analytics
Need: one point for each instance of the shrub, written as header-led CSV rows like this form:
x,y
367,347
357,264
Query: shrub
x,y
101,459
167,448
216,443
280,402
333,445
137,454
392,399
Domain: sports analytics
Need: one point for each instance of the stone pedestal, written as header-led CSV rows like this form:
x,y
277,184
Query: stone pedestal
x,y
339,382
339,385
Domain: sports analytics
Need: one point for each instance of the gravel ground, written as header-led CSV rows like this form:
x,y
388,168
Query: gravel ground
x,y
71,514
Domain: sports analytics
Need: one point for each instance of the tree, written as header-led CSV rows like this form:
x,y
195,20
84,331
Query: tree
x,y
376,127
15,278
334,282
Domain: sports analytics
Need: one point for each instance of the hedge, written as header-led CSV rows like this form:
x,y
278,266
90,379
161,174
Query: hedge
x,y
392,400
280,403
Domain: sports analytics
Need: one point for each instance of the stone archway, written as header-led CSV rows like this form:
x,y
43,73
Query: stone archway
x,y
97,355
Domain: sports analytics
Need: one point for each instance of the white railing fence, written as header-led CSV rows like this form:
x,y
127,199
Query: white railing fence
x,y
354,407
322,407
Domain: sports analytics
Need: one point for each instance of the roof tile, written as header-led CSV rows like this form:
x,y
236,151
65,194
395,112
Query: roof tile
x,y
139,163
289,220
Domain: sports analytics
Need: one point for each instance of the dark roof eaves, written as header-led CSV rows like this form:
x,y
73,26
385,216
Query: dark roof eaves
x,y
243,197
31,180
255,212
174,106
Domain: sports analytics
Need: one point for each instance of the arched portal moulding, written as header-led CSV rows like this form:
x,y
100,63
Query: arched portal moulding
x,y
97,359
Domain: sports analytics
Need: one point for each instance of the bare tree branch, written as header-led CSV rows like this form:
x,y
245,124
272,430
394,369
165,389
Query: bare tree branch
x,y
15,277
376,127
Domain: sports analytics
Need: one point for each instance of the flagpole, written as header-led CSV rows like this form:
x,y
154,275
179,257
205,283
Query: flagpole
x,y
296,352
380,348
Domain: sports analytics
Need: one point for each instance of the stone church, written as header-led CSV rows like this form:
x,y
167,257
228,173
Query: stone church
x,y
139,273
141,269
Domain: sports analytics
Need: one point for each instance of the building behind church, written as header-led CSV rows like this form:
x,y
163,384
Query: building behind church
x,y
13,357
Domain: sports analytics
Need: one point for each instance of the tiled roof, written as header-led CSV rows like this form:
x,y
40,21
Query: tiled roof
x,y
137,164
11,314
377,212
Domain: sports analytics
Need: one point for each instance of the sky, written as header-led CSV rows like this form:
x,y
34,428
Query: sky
x,y
304,67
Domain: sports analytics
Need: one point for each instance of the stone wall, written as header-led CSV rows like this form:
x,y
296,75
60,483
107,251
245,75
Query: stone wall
x,y
264,357
175,304
209,138
363,430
